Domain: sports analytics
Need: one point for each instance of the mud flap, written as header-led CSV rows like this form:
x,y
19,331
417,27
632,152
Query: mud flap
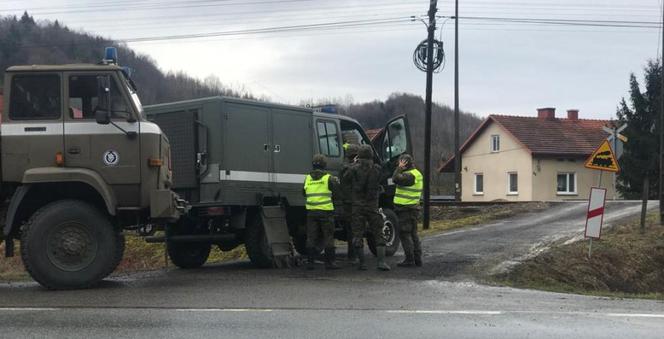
x,y
278,238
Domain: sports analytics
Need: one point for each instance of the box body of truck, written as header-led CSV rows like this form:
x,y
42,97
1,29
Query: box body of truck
x,y
232,156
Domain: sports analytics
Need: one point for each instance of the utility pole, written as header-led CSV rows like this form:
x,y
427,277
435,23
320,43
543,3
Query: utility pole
x,y
431,28
661,129
457,153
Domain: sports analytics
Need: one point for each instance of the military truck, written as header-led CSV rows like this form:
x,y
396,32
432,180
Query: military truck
x,y
79,163
241,165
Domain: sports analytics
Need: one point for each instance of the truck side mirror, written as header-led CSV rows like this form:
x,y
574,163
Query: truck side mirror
x,y
103,109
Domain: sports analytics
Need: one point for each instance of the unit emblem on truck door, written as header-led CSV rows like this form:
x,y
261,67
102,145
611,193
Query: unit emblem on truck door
x,y
111,158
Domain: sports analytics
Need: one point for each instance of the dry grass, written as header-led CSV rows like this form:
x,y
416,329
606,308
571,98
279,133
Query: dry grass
x,y
139,256
625,262
452,217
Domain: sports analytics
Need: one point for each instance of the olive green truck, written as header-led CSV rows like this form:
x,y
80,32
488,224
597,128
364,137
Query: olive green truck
x,y
82,162
241,165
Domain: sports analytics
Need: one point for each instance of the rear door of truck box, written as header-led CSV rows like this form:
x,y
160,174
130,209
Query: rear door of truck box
x,y
246,156
292,152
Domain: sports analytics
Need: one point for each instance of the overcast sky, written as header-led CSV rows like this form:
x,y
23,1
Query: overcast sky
x,y
505,67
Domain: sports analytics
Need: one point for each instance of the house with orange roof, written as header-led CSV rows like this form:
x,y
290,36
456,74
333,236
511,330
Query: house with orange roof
x,y
541,158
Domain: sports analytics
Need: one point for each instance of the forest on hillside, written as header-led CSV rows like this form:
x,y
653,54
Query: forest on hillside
x,y
25,41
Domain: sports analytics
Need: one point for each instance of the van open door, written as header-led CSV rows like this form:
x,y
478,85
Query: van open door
x,y
393,141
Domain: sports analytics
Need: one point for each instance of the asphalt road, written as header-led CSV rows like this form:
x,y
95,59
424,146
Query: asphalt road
x,y
440,300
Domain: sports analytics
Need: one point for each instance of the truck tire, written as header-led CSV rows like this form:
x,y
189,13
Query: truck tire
x,y
255,242
188,255
391,234
70,244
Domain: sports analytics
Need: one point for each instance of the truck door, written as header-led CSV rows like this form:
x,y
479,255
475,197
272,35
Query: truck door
x,y
32,127
328,142
393,141
292,152
245,168
104,149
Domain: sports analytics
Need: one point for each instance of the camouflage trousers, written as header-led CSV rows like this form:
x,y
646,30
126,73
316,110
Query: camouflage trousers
x,y
366,219
408,232
320,228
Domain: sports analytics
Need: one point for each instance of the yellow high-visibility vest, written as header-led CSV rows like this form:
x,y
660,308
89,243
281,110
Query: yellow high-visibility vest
x,y
345,146
410,195
319,196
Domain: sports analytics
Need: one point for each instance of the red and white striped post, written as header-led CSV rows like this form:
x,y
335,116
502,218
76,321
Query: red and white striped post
x,y
595,216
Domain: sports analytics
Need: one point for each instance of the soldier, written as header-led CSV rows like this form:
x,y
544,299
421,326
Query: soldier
x,y
365,180
318,189
406,202
344,204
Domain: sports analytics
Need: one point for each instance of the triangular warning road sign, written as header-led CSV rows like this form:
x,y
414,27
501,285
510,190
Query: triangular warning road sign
x,y
603,159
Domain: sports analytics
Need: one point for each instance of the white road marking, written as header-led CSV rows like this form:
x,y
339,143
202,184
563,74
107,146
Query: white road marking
x,y
249,310
445,312
223,310
23,309
635,315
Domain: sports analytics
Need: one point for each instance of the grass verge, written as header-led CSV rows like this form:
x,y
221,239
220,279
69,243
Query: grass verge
x,y
138,256
141,256
452,217
624,263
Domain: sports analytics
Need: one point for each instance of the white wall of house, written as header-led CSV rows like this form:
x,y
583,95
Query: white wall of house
x,y
546,174
495,167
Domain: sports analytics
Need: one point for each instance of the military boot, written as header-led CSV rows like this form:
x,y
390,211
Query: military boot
x,y
330,259
409,261
418,258
311,254
381,264
359,252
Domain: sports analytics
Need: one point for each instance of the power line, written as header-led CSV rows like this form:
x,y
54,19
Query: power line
x,y
569,22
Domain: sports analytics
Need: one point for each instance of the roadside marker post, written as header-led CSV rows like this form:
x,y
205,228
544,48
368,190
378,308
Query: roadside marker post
x,y
595,216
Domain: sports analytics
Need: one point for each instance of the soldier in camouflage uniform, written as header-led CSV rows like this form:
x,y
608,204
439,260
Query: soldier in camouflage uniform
x,y
408,180
344,203
365,177
319,188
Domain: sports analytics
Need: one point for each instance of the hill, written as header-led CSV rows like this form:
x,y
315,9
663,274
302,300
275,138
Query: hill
x,y
26,42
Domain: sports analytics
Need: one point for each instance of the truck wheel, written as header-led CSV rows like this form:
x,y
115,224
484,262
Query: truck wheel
x,y
189,255
70,244
255,242
390,233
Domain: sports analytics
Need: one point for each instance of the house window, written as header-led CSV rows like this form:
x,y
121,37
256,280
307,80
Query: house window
x,y
566,183
495,143
479,183
512,183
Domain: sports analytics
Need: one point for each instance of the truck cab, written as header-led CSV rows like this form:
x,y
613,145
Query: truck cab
x,y
79,163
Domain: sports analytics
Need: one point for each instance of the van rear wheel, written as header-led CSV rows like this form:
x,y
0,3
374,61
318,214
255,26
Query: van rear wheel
x,y
70,244
256,244
189,255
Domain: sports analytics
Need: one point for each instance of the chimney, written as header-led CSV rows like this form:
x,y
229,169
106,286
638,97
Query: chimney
x,y
548,113
573,114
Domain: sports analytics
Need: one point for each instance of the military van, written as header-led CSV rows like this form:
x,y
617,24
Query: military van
x,y
241,165
79,164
